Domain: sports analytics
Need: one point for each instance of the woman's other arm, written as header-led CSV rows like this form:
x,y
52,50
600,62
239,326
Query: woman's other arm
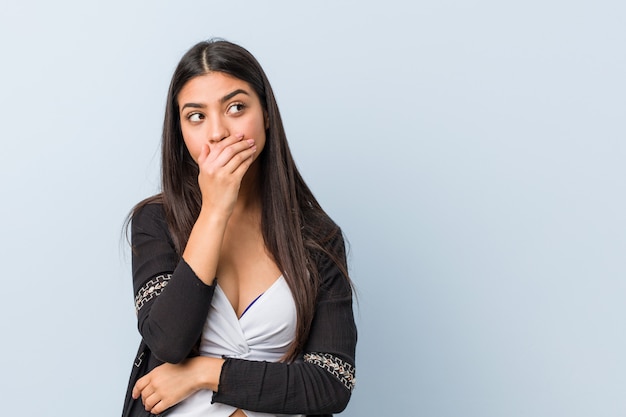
x,y
170,300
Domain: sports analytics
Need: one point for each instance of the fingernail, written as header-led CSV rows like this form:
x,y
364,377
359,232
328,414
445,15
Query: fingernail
x,y
240,136
250,142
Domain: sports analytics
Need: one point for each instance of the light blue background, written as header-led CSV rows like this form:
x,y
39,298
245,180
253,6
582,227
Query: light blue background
x,y
472,151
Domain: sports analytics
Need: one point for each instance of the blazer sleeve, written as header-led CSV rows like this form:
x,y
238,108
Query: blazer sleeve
x,y
322,379
171,302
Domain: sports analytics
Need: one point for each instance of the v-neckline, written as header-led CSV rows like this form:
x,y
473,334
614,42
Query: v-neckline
x,y
253,302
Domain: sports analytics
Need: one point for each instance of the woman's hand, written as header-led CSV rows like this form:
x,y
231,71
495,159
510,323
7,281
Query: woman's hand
x,y
222,167
168,384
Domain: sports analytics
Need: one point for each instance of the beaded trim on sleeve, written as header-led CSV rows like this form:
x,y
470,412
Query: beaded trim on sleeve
x,y
151,289
341,369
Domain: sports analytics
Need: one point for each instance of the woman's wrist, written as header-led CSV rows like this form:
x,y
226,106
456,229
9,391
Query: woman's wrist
x,y
208,372
211,216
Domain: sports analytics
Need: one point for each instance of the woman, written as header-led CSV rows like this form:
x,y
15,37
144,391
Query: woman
x,y
242,294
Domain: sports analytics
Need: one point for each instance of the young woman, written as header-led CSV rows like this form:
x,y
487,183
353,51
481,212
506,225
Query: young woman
x,y
242,293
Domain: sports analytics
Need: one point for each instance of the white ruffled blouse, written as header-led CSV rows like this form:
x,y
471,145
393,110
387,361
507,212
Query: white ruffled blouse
x,y
262,333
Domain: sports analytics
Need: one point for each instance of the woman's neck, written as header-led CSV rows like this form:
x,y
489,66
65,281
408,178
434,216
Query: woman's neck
x,y
249,198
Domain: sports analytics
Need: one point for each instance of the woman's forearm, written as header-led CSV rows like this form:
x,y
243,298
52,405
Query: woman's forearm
x,y
204,245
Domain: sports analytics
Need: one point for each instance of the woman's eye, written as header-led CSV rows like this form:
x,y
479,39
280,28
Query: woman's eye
x,y
236,108
195,117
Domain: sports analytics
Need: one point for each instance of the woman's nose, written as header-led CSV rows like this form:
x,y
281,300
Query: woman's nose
x,y
218,130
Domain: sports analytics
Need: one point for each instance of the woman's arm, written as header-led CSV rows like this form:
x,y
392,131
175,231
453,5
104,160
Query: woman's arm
x,y
171,302
319,382
221,172
170,321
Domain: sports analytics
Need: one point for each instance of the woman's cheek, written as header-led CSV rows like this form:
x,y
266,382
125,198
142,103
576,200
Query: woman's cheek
x,y
194,149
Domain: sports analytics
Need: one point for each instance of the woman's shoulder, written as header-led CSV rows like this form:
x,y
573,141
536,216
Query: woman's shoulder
x,y
149,214
150,204
320,227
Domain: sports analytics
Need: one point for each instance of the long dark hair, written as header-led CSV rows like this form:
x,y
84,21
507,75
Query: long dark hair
x,y
295,228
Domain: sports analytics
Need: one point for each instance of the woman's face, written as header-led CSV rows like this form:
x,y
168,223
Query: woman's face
x,y
215,106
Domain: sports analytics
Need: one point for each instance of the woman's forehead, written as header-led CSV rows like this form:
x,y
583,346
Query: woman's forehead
x,y
214,87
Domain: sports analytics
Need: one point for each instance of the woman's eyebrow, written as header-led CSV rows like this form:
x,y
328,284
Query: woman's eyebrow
x,y
233,94
222,100
194,105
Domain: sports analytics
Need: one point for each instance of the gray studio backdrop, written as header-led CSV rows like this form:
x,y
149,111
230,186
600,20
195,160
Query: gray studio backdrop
x,y
472,151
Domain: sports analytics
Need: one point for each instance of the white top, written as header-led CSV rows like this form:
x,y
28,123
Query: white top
x,y
263,333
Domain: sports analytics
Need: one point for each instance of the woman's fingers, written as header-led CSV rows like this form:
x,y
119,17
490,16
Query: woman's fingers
x,y
225,143
151,397
160,407
224,154
241,158
150,401
204,154
241,163
224,161
140,385
168,384
222,170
